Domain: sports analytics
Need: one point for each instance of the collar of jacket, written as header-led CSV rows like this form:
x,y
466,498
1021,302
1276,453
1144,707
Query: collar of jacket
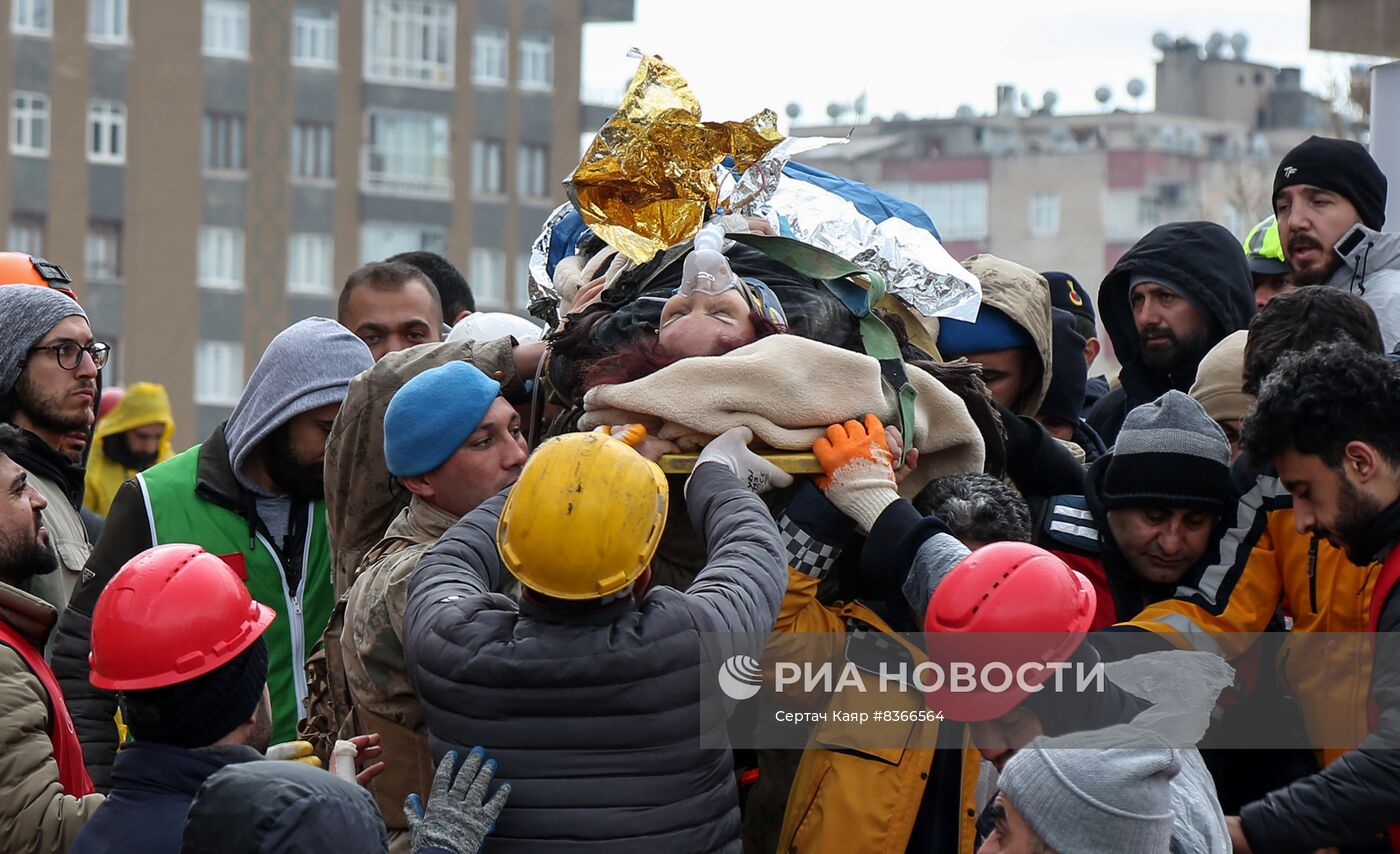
x,y
27,614
1142,385
1381,536
151,766
40,459
603,616
1377,251
216,483
422,522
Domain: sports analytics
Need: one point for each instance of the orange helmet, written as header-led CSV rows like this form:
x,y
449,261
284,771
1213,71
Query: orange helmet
x,y
17,268
170,614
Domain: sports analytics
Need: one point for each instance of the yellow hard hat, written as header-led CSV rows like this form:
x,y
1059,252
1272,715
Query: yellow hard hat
x,y
584,519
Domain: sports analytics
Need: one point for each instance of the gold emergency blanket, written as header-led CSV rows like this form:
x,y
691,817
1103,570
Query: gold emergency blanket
x,y
648,180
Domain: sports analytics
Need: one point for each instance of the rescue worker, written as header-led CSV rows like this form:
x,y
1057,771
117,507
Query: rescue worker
x,y
45,793
251,494
49,364
453,442
390,306
1267,266
134,436
1168,300
585,691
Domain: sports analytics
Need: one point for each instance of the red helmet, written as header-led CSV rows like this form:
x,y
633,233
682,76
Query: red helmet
x,y
17,268
170,614
111,398
1006,603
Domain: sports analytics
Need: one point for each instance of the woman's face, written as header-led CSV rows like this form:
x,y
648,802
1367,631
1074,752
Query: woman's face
x,y
700,324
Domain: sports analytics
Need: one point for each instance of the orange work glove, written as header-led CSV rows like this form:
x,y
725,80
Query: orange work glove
x,y
859,471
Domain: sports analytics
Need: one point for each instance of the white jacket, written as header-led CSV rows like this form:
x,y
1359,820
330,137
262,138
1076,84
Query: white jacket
x,y
1371,270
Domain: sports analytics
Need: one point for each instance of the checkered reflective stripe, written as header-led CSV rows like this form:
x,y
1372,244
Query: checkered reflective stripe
x,y
806,554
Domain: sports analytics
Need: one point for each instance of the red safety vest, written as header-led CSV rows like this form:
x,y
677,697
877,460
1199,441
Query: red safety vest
x,y
1385,584
67,752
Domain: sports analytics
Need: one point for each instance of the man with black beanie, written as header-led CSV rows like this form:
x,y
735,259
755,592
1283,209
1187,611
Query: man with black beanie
x,y
1329,197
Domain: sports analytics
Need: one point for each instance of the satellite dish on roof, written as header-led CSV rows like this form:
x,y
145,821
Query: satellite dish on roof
x,y
1239,43
834,110
900,116
793,110
1215,45
1050,99
1103,94
1026,102
860,104
965,112
1136,87
1161,41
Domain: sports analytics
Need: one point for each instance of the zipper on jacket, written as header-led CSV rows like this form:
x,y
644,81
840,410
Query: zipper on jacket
x,y
1312,573
295,624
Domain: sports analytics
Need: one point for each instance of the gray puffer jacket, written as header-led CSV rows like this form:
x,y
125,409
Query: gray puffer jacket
x,y
595,718
1371,269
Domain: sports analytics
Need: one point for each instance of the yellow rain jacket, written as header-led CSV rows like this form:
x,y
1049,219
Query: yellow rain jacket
x,y
144,403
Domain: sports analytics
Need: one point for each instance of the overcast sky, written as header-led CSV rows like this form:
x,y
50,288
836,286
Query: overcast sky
x,y
927,58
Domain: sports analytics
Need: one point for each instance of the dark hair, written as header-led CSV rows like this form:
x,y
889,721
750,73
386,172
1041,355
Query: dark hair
x,y
453,290
977,507
12,441
646,356
1301,319
1318,401
384,276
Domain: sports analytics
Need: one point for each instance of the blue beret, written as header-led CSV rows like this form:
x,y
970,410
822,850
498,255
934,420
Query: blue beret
x,y
993,330
433,414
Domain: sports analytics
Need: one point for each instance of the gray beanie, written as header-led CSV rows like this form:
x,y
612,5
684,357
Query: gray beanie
x,y
28,312
308,365
1169,454
1095,801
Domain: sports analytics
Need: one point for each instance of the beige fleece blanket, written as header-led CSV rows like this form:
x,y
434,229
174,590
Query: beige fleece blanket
x,y
788,389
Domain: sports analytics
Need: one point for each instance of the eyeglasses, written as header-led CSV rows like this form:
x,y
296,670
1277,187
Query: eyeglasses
x,y
70,354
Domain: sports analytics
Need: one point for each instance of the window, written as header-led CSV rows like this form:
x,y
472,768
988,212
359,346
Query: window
x,y
226,29
309,263
313,38
407,154
1045,214
536,61
31,17
107,21
409,41
221,258
102,251
380,240
1149,212
958,208
488,167
223,142
29,124
106,132
531,171
311,150
488,276
26,235
218,373
489,57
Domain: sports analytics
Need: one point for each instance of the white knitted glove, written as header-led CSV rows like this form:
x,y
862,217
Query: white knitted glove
x,y
732,451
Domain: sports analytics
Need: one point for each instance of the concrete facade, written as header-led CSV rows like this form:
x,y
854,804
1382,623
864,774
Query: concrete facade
x,y
158,195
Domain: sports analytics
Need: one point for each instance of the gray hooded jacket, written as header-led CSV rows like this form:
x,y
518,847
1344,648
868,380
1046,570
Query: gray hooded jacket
x,y
1371,270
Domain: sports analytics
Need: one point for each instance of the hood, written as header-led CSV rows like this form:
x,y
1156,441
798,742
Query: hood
x,y
283,807
1200,258
27,614
141,404
308,365
1070,376
362,498
1024,296
1379,250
